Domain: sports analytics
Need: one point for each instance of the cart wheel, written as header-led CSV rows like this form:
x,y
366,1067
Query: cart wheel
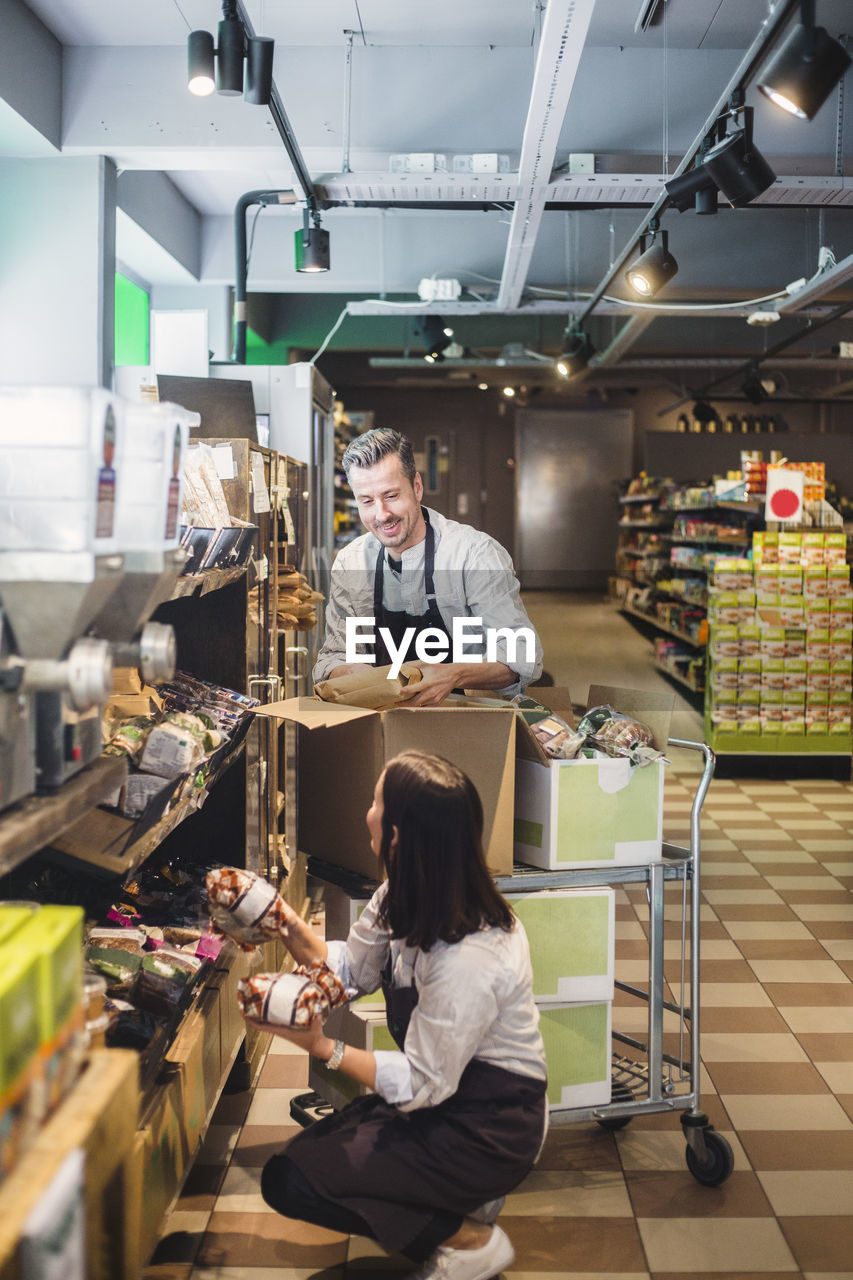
x,y
719,1164
619,1093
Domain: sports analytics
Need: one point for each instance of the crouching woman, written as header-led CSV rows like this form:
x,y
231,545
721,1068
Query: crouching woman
x,y
458,1113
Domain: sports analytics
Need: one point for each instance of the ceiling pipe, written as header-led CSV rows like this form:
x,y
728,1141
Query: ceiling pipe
x,y
779,13
282,124
241,263
623,341
561,44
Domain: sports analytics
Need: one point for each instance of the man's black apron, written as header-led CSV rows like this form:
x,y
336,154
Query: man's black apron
x,y
398,1168
396,621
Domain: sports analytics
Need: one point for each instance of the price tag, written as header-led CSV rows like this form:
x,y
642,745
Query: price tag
x,y
260,496
262,568
223,457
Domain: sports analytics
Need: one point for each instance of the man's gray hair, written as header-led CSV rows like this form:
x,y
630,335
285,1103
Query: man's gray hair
x,y
376,444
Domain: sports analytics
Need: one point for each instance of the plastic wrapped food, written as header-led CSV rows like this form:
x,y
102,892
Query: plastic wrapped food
x,y
619,735
245,907
291,999
557,738
162,979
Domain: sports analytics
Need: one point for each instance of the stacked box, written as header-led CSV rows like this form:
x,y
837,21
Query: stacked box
x,y
55,935
773,675
20,1112
571,934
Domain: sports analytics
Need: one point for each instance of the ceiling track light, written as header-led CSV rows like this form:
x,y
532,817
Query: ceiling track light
x,y
696,187
803,72
576,354
735,164
312,250
221,68
436,337
655,265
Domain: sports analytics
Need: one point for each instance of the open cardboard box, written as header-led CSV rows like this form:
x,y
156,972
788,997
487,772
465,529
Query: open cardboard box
x,y
572,814
342,751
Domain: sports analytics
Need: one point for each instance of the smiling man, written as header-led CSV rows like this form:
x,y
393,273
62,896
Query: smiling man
x,y
413,578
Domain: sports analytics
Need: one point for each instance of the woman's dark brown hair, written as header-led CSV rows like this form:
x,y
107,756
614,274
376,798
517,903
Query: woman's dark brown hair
x,y
438,883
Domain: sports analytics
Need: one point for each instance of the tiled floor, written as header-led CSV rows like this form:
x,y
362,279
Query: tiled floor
x,y
777,1048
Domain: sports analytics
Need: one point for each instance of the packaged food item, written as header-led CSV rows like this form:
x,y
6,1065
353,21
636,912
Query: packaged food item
x,y
245,907
370,687
291,999
618,735
557,738
162,980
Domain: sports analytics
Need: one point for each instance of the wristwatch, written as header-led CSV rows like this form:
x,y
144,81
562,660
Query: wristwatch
x,y
334,1061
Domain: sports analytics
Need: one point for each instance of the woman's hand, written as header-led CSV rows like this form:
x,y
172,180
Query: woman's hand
x,y
312,1038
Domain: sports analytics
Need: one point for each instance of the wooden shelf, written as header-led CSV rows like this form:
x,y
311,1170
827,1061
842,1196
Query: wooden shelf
x,y
109,842
675,675
201,583
37,821
99,1116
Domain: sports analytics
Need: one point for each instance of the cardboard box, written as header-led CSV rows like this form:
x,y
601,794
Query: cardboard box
x,y
592,813
577,1052
361,1028
20,1100
342,751
572,942
54,934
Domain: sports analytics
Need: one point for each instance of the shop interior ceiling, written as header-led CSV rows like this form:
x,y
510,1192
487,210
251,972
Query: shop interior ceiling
x,y
588,105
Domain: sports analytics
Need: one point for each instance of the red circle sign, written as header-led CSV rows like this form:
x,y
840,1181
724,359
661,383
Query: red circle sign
x,y
784,504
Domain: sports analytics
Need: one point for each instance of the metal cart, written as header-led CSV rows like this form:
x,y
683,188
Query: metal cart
x,y
644,1077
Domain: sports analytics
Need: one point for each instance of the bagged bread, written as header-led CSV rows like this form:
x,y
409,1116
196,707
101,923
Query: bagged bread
x,y
245,907
291,999
369,687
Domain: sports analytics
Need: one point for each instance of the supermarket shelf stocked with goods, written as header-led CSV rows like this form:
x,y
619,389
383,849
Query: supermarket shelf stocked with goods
x,y
89,842
662,563
781,648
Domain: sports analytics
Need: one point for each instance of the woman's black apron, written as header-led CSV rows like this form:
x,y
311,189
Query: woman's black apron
x,y
398,1168
396,621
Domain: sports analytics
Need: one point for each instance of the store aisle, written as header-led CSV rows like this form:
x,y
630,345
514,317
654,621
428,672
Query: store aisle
x,y
777,1048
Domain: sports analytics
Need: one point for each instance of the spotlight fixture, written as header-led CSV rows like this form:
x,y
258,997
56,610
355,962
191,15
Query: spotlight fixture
x,y
222,68
736,165
311,245
757,389
801,75
201,63
436,337
482,386
694,189
576,354
704,415
654,267
509,392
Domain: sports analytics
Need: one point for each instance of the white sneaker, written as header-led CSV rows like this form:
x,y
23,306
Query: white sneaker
x,y
469,1264
489,1211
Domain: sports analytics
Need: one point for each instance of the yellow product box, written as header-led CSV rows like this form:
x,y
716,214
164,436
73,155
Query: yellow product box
x,y
792,611
835,548
731,574
771,697
815,580
773,673
20,1099
749,673
795,642
840,697
749,720
794,726
817,673
793,698
748,699
723,607
12,916
840,721
790,547
765,546
817,699
837,579
841,673
745,605
768,608
724,642
724,673
773,642
841,608
817,642
795,673
54,934
790,580
818,613
812,551
840,630
749,639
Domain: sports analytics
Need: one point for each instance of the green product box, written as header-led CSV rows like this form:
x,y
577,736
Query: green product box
x,y
771,697
839,697
792,610
749,637
21,1100
750,724
817,642
724,666
767,578
723,697
577,1054
835,548
817,698
748,698
794,726
749,667
837,579
815,581
840,631
790,547
588,813
773,642
841,607
794,698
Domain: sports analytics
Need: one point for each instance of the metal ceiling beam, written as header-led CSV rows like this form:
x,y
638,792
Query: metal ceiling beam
x,y
624,340
548,307
779,11
563,36
813,289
